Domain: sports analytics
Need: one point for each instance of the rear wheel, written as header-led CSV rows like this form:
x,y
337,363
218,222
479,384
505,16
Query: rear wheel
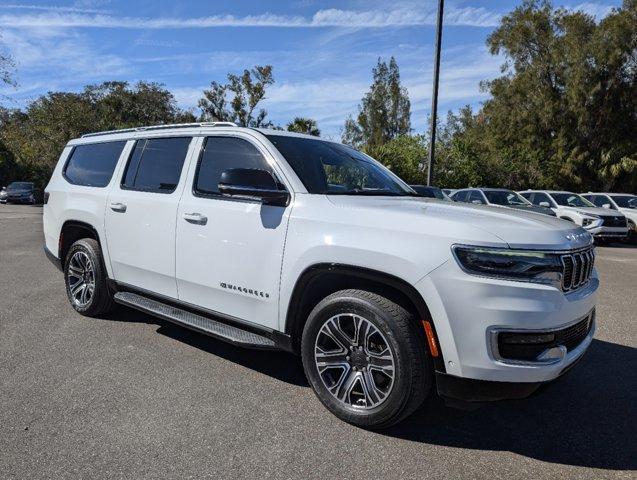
x,y
86,280
365,358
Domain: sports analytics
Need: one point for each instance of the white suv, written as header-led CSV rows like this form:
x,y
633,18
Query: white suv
x,y
603,224
274,240
624,203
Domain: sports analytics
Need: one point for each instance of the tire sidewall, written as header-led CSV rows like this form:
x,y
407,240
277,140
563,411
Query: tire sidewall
x,y
91,249
401,388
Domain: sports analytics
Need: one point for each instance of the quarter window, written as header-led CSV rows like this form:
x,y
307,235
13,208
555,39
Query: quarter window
x,y
155,164
224,153
93,165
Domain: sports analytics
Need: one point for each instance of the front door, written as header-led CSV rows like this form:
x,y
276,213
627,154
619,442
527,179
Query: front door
x,y
141,215
229,250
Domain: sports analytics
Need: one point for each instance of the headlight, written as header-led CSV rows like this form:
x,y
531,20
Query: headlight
x,y
504,263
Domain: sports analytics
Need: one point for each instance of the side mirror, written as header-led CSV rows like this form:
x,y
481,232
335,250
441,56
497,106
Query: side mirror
x,y
253,183
606,206
545,204
476,202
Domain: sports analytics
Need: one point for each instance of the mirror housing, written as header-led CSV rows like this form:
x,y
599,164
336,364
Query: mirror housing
x,y
253,183
476,202
606,206
545,204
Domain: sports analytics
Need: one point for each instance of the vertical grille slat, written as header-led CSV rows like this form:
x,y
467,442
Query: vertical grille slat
x,y
577,268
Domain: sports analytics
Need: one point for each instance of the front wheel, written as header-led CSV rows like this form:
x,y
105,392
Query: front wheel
x,y
86,279
366,358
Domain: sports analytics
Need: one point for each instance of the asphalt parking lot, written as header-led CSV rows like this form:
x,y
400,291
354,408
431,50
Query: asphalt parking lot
x,y
130,396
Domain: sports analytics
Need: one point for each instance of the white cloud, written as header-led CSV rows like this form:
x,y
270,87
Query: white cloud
x,y
380,18
597,10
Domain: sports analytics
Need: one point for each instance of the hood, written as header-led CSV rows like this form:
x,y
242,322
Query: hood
x,y
532,208
461,221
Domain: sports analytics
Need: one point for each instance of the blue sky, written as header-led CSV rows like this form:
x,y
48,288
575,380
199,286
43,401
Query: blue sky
x,y
322,51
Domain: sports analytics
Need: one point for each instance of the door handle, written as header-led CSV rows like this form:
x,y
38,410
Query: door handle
x,y
196,218
118,207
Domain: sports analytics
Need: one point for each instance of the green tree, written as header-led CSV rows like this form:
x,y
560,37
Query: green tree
x,y
384,112
406,156
237,100
117,105
564,114
304,125
35,137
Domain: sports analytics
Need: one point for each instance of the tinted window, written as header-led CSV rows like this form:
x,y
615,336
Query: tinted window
x,y
538,197
223,153
504,197
20,186
625,201
570,200
476,196
460,196
155,164
335,169
93,165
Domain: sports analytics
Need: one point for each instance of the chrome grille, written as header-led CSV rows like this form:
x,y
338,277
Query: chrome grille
x,y
577,268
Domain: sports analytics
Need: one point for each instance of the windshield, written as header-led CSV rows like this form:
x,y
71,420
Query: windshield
x,y
570,200
504,197
335,169
20,186
625,201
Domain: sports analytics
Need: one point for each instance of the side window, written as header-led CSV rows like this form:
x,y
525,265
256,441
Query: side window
x,y
475,196
93,165
155,164
223,153
541,197
529,196
460,196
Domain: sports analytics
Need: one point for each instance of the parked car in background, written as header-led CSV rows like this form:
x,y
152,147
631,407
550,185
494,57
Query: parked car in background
x,y
625,203
448,191
602,223
430,192
22,192
3,195
274,240
500,197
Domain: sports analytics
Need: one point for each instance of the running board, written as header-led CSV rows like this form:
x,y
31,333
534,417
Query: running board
x,y
222,331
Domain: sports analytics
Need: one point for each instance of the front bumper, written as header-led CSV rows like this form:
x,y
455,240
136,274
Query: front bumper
x,y
468,309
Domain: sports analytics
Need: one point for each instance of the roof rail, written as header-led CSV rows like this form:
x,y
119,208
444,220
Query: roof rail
x,y
162,127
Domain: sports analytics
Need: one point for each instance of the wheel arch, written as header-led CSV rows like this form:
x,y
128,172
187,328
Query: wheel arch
x,y
320,280
72,231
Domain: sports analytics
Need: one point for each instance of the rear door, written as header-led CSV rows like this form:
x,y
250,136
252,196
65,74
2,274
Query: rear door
x,y
230,250
141,215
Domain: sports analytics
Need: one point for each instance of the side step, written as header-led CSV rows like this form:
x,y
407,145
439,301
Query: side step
x,y
222,331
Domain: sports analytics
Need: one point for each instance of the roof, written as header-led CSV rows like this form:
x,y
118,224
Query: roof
x,y
183,129
610,193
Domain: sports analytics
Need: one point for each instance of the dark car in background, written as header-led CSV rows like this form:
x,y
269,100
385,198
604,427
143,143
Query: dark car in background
x,y
21,192
430,192
501,197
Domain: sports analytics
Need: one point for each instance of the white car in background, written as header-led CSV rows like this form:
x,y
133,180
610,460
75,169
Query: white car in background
x,y
602,223
625,203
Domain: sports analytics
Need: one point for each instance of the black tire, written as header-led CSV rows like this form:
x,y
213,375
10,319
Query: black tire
x,y
101,300
413,369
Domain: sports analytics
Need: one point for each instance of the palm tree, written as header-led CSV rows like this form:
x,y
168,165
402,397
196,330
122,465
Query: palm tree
x,y
304,125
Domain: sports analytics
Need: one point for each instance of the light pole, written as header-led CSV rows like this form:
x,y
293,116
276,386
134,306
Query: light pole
x,y
434,97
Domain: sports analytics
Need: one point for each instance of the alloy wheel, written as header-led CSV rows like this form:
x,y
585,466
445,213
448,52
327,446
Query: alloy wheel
x,y
355,361
80,279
